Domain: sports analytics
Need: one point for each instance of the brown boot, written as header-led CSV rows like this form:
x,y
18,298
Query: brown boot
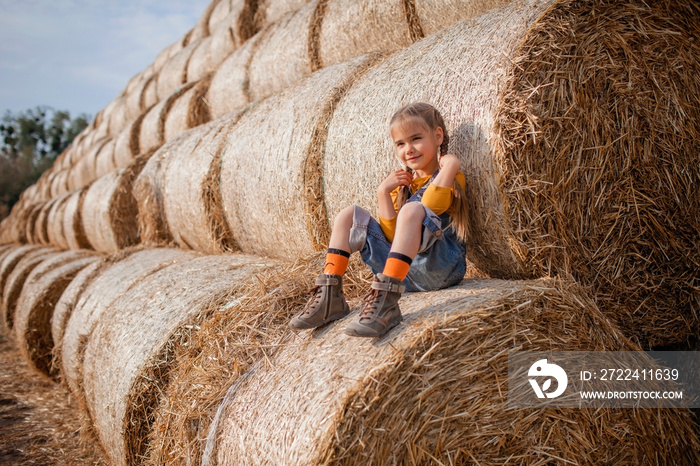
x,y
327,304
380,311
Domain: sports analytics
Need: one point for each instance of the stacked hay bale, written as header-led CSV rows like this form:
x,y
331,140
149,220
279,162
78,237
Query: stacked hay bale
x,y
129,353
435,390
40,293
530,219
189,184
276,147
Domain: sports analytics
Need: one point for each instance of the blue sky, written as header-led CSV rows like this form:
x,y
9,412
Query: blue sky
x,y
78,55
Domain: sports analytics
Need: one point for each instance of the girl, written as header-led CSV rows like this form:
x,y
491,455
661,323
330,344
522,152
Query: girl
x,y
418,244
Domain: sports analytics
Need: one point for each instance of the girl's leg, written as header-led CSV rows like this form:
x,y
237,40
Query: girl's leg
x,y
381,310
339,244
327,302
407,239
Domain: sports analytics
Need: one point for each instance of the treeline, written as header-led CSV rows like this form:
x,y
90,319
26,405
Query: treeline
x,y
30,141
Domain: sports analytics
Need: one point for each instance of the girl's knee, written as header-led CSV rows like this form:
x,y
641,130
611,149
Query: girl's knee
x,y
344,218
412,212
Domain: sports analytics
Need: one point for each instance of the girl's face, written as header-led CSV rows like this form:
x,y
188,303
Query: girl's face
x,y
417,145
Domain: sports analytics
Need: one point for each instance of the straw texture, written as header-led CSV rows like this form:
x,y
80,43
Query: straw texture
x,y
123,272
128,356
42,289
174,72
435,390
192,203
229,89
190,109
268,165
73,226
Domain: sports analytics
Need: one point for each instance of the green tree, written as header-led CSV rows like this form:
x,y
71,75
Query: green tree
x,y
29,144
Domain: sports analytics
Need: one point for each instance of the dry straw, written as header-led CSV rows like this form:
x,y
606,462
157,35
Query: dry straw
x,y
11,257
15,280
348,29
104,162
118,119
189,183
64,308
73,226
109,210
129,353
148,188
40,292
229,91
246,325
123,271
31,222
152,128
282,58
563,211
272,11
41,224
190,109
174,72
435,390
270,183
227,35
54,222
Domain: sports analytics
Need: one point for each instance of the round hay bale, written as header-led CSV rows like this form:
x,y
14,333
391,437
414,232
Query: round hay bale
x,y
190,109
435,15
149,97
229,91
152,129
200,63
104,161
350,28
147,191
73,226
12,257
174,72
282,56
272,11
276,148
54,222
42,289
256,315
41,224
516,143
15,281
31,222
122,272
165,54
118,118
59,182
109,210
134,103
189,185
84,171
64,309
228,34
201,30
435,389
219,12
126,146
127,359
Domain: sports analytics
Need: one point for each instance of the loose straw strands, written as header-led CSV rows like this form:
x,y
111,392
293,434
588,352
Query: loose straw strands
x,y
247,325
128,356
40,292
435,390
274,144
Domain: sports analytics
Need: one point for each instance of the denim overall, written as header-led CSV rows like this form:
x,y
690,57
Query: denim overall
x,y
440,261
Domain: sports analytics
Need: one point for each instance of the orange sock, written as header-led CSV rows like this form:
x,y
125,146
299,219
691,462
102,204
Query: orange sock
x,y
397,265
336,262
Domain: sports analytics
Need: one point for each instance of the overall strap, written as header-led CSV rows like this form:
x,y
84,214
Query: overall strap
x,y
418,195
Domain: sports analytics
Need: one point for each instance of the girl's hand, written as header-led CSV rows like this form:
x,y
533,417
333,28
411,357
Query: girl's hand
x,y
395,179
449,162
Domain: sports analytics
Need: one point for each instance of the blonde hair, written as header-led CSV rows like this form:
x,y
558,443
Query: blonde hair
x,y
428,115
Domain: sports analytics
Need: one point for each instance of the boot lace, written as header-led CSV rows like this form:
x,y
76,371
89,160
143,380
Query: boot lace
x,y
369,305
314,299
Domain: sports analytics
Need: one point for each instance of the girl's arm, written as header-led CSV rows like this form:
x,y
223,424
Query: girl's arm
x,y
394,180
449,166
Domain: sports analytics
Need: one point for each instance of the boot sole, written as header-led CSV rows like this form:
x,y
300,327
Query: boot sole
x,y
307,326
357,333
